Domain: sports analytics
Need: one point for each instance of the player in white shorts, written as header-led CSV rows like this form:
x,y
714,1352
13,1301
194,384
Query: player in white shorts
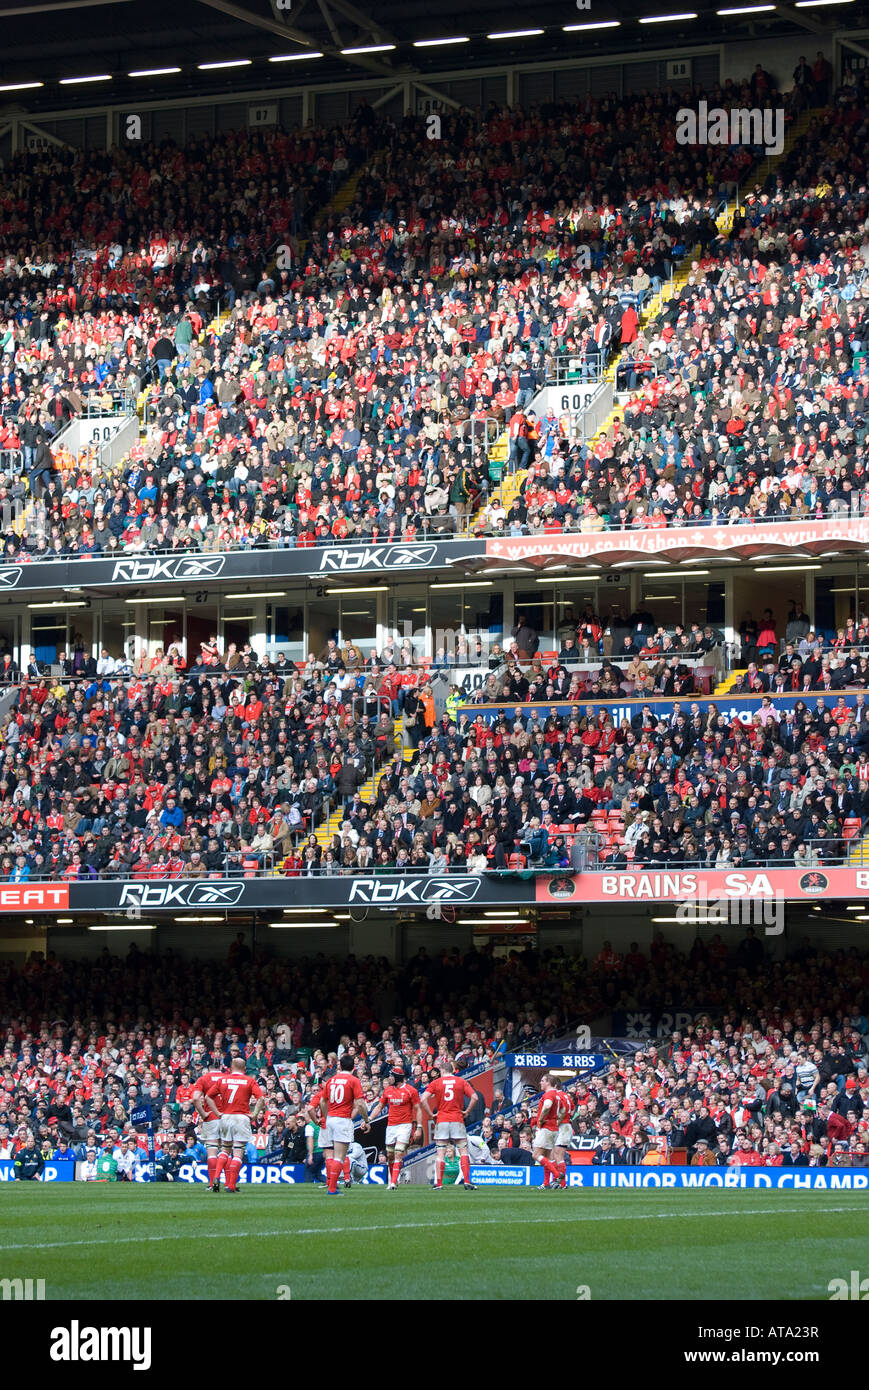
x,y
209,1127
230,1098
341,1099
550,1113
235,1131
404,1113
443,1100
564,1135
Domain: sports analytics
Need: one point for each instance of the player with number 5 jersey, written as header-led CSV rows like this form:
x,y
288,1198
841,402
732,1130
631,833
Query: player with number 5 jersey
x,y
444,1100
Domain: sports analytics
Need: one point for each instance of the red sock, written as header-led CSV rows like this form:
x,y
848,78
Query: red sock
x,y
212,1164
333,1171
219,1164
396,1169
561,1169
439,1173
465,1165
233,1168
347,1170
549,1171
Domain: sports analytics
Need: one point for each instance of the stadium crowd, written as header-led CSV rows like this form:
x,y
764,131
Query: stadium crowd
x,y
232,765
338,398
773,1072
749,391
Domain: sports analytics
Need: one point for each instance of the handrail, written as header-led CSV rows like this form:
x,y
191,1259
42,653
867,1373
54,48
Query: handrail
x,y
728,698
489,425
856,853
568,368
446,535
383,702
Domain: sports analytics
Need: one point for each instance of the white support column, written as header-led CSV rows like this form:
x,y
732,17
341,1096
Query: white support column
x,y
810,597
26,637
142,644
258,636
636,589
730,633
382,615
509,612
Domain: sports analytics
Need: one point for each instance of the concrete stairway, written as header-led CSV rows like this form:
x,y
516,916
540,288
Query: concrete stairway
x,y
367,791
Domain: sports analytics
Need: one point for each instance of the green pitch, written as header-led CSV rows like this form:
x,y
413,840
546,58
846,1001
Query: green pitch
x,y
166,1242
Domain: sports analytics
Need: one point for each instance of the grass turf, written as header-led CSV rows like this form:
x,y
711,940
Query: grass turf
x,y
165,1242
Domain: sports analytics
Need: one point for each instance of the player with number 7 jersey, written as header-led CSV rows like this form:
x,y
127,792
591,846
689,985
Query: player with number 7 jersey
x,y
230,1099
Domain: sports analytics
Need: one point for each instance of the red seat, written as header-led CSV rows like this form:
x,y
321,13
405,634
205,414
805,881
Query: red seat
x,y
852,827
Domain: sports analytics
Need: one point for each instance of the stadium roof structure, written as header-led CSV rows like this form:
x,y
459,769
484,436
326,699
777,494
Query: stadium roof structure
x,y
76,51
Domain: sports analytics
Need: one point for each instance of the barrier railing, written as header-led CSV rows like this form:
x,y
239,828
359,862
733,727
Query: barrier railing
x,y
856,855
566,369
443,529
481,432
585,423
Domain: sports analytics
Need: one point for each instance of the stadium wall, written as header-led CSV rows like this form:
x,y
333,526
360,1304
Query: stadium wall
x,y
737,59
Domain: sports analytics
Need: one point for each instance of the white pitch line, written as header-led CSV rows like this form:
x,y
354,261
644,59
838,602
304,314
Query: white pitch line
x,y
414,1226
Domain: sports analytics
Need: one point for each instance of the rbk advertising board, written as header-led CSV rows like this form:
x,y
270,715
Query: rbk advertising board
x,y
419,892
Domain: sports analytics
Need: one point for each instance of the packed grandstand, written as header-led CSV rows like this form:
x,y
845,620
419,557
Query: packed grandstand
x,y
337,398
307,376
233,766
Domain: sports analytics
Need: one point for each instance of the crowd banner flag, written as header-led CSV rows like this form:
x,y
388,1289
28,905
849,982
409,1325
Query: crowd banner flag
x,y
142,1116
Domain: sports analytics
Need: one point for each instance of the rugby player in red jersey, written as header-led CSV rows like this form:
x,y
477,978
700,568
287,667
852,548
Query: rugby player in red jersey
x,y
318,1136
553,1110
443,1100
340,1099
230,1099
564,1136
209,1130
403,1113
